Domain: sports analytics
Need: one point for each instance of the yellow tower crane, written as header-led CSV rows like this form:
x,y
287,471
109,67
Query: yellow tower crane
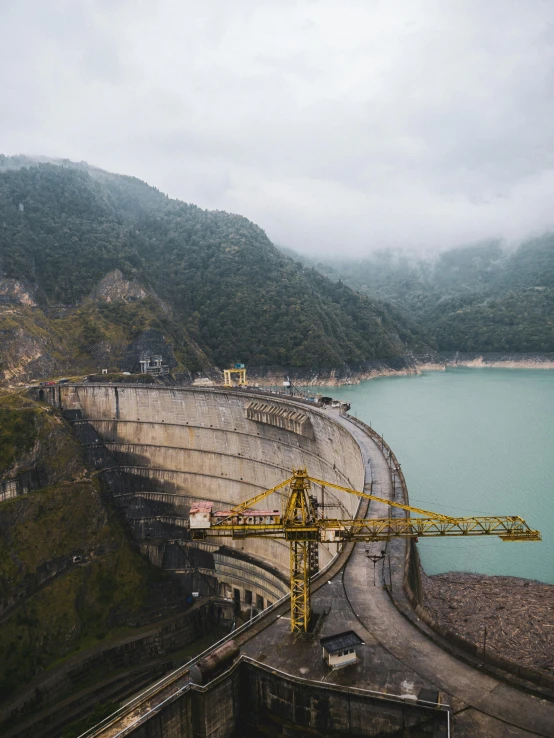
x,y
301,526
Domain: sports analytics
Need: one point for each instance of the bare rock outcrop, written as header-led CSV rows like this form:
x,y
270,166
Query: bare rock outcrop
x,y
115,288
13,292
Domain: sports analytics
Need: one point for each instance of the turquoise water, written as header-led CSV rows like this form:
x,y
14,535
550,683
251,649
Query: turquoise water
x,y
472,442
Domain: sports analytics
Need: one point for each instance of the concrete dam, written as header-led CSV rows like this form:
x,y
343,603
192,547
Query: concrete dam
x,y
178,446
161,449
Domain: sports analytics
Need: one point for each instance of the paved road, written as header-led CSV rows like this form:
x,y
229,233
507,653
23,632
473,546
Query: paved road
x,y
381,619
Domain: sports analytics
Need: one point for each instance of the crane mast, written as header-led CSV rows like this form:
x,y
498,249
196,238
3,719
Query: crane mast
x,y
300,525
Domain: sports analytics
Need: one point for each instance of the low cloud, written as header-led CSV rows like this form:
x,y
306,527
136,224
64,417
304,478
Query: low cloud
x,y
338,127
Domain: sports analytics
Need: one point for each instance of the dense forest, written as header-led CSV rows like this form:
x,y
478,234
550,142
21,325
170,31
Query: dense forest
x,y
224,285
479,298
214,289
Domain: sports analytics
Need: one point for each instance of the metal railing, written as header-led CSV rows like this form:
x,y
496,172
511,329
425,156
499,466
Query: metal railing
x,y
392,461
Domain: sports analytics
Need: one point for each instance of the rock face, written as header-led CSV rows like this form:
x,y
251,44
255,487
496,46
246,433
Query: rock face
x,y
13,292
109,329
34,438
69,575
25,351
20,345
114,288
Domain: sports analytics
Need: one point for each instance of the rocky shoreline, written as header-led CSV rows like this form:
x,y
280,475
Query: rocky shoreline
x,y
333,377
273,376
518,614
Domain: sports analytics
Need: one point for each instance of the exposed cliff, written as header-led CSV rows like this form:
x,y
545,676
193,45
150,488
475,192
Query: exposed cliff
x,y
108,330
33,436
114,288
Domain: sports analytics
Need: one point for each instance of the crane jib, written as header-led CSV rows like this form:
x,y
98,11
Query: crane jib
x,y
299,524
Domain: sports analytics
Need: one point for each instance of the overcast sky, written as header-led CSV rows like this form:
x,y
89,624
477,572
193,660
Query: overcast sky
x,y
336,125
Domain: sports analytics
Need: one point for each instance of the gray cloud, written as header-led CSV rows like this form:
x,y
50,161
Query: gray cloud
x,y
335,125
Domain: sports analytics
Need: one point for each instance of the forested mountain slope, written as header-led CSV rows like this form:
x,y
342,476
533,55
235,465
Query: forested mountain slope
x,y
50,607
480,298
219,290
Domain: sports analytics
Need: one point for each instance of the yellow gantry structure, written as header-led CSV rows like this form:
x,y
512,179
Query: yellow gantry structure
x,y
228,376
300,525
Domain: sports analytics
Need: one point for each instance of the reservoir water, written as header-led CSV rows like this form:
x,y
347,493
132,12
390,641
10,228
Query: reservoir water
x,y
471,442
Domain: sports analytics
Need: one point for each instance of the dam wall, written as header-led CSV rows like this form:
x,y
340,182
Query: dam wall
x,y
250,695
179,445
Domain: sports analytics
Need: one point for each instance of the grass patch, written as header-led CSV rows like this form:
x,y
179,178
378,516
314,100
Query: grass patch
x,y
18,432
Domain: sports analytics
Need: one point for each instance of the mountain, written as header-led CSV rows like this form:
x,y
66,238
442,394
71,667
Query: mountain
x,y
210,285
478,298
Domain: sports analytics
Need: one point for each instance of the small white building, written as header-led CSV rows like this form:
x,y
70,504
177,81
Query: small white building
x,y
200,514
340,650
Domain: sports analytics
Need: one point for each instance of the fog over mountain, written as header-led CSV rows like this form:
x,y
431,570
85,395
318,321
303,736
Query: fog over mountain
x,y
336,126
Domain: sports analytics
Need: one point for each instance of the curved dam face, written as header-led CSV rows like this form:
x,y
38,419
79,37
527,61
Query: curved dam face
x,y
179,445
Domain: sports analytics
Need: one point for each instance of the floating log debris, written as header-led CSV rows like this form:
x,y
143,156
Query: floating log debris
x,y
517,613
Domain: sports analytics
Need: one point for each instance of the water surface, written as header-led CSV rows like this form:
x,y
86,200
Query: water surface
x,y
472,441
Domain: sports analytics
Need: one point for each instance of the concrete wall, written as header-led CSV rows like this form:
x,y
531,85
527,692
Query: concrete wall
x,y
209,569
254,700
197,443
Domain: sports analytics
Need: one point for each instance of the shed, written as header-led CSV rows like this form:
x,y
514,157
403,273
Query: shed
x,y
200,514
340,649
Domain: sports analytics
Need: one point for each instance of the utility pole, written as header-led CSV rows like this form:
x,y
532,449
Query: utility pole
x,y
485,645
375,558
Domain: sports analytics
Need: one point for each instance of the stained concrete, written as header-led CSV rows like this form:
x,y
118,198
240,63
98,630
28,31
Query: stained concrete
x,y
178,445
